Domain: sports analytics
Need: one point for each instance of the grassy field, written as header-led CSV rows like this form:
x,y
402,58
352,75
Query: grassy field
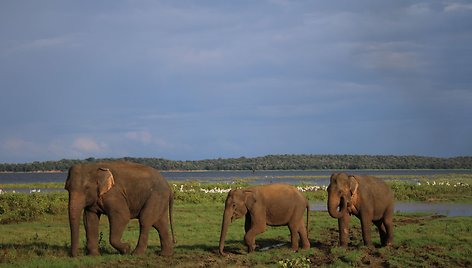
x,y
35,233
420,241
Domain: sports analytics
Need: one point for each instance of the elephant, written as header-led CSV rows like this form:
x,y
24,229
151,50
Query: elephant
x,y
275,204
122,191
368,198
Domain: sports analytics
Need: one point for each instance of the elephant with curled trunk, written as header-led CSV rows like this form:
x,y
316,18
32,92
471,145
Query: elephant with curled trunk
x,y
123,191
369,199
274,205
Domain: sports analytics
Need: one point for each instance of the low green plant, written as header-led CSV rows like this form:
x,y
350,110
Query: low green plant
x,y
428,190
42,185
300,262
19,207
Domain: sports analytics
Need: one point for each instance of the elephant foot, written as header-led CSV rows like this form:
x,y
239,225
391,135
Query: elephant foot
x,y
295,248
93,253
125,249
138,252
167,252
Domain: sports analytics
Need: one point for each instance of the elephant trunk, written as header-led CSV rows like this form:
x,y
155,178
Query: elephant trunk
x,y
224,228
333,203
76,205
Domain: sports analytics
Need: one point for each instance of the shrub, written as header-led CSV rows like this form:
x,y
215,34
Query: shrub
x,y
20,207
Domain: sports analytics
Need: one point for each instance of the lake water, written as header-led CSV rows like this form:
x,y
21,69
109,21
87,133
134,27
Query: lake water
x,y
258,177
446,209
317,177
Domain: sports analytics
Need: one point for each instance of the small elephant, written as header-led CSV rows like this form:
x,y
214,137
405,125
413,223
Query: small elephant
x,y
274,205
368,198
123,191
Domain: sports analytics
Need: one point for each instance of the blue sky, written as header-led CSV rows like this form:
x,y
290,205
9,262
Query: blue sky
x,y
189,80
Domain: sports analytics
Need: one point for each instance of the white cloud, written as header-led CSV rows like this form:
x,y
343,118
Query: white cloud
x,y
419,9
457,7
145,137
88,145
67,40
140,136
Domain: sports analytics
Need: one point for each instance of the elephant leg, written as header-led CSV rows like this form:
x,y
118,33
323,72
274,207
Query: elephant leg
x,y
147,217
118,224
91,222
343,224
250,237
294,236
143,238
302,231
366,224
388,223
162,227
382,231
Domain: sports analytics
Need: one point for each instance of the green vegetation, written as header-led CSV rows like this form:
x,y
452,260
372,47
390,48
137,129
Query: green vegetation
x,y
35,231
269,162
16,207
420,241
442,188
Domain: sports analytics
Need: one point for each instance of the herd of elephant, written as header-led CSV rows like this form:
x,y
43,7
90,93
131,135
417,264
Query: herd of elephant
x,y
123,191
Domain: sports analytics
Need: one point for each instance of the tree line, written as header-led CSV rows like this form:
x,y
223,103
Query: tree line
x,y
269,162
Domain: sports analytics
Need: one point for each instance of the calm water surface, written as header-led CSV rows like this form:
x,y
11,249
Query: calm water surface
x,y
446,209
258,177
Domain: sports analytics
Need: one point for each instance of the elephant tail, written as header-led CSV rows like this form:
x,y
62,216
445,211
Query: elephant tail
x,y
171,204
307,218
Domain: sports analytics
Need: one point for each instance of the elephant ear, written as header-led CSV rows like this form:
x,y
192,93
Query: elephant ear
x,y
353,185
105,181
250,198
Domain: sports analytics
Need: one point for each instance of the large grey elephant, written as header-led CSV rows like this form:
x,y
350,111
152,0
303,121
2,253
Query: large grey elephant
x,y
275,205
123,191
368,198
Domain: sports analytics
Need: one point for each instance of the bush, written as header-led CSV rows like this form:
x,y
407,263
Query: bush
x,y
20,207
428,190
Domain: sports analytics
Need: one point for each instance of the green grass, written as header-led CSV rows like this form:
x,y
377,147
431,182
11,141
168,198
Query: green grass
x,y
51,185
420,241
35,233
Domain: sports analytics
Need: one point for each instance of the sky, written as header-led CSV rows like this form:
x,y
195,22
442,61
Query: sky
x,y
192,80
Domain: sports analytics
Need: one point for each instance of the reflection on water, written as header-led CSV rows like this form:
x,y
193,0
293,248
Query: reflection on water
x,y
446,209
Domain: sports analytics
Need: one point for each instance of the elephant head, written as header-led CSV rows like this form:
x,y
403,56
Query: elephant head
x,y
342,194
237,204
86,186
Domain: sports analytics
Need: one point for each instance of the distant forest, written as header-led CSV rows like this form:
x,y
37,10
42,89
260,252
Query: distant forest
x,y
269,162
